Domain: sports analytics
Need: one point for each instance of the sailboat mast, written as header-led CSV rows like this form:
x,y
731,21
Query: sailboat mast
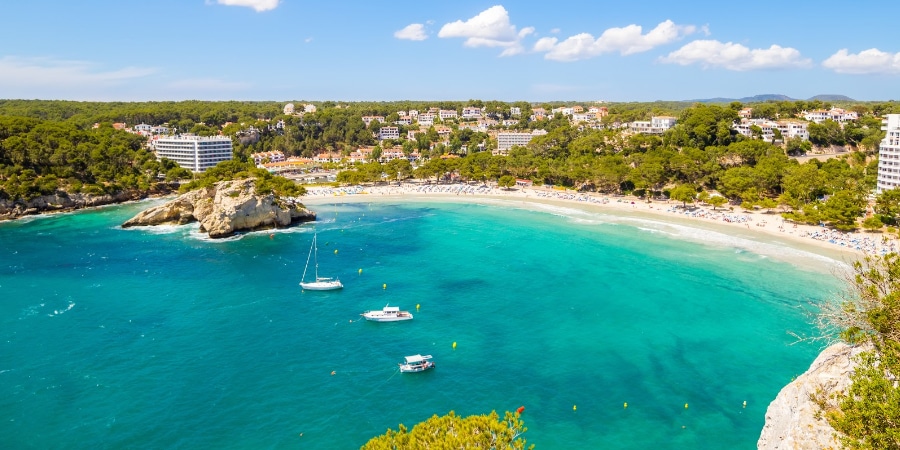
x,y
307,258
316,245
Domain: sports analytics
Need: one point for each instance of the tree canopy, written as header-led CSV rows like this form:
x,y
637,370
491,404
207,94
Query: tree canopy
x,y
867,415
452,431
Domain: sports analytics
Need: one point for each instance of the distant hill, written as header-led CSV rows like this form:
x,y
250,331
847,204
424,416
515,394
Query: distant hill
x,y
772,97
832,98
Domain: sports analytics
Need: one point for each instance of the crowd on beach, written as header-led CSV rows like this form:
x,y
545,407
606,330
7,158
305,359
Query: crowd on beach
x,y
859,242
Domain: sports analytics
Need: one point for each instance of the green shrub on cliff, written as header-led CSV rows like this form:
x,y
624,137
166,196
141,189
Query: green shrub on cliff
x,y
266,183
868,414
452,431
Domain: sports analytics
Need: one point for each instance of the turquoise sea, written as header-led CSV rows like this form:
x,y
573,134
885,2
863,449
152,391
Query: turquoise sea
x,y
159,338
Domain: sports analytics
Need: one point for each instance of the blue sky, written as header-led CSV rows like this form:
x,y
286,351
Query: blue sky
x,y
453,50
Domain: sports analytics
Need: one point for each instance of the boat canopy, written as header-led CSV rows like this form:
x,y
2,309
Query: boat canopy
x,y
391,309
417,358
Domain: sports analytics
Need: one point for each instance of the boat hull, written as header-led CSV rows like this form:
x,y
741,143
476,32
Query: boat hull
x,y
378,316
322,285
412,368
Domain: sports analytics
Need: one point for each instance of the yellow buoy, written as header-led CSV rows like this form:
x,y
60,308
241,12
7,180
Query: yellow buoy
x,y
574,407
417,306
625,405
685,406
335,252
384,286
360,271
454,345
745,403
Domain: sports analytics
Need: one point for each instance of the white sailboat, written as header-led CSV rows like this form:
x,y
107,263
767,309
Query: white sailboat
x,y
320,283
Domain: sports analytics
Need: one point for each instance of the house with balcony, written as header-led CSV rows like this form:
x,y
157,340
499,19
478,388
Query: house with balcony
x,y
445,114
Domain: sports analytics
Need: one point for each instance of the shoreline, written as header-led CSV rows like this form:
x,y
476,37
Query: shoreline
x,y
757,227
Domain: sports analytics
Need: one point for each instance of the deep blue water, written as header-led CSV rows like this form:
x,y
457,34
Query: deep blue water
x,y
158,338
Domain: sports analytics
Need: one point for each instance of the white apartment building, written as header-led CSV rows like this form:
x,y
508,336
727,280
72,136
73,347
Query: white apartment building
x,y
273,157
515,111
388,133
195,153
836,114
788,128
368,119
445,114
889,154
656,125
507,140
425,119
662,122
471,112
288,109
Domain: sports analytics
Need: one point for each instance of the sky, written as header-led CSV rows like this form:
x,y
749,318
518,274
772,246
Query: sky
x,y
537,51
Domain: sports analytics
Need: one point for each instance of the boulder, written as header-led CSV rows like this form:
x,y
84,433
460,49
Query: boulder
x,y
225,208
793,419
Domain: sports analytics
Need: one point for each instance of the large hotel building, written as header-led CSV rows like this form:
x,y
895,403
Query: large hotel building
x,y
195,153
889,154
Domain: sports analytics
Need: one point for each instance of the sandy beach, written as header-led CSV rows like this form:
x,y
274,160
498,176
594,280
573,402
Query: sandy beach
x,y
783,238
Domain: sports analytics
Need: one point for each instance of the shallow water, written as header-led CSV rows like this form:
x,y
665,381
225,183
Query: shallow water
x,y
161,338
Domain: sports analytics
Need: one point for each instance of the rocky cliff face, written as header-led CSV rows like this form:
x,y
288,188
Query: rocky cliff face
x,y
62,201
791,421
225,208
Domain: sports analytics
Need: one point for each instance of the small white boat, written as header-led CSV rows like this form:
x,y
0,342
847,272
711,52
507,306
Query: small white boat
x,y
320,283
387,314
417,363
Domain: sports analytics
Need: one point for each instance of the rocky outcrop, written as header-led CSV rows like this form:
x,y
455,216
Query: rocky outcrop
x,y
225,208
62,201
792,419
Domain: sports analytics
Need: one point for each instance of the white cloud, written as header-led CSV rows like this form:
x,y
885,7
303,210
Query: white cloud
x,y
53,73
412,32
257,5
626,41
731,56
871,61
490,28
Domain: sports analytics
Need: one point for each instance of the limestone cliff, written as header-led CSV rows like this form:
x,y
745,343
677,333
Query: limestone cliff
x,y
63,201
791,419
225,208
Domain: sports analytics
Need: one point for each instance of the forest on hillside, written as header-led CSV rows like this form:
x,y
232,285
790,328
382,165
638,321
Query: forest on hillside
x,y
46,146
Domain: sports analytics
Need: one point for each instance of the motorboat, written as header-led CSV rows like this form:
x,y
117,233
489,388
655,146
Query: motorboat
x,y
387,314
417,363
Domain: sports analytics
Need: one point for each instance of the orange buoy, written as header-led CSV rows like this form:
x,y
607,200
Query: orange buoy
x,y
520,410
